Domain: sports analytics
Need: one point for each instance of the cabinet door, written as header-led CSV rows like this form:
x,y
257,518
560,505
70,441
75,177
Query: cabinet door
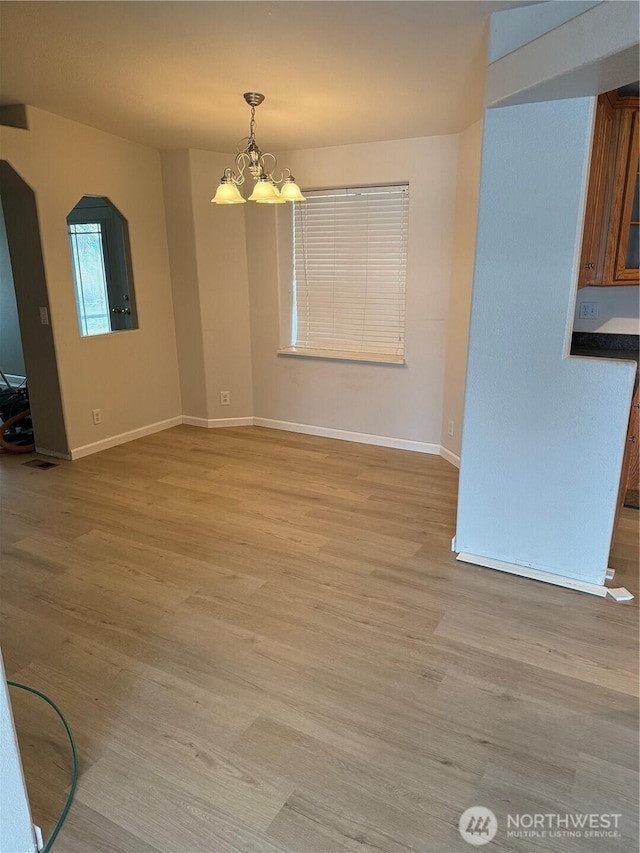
x,y
630,474
592,261
633,439
625,238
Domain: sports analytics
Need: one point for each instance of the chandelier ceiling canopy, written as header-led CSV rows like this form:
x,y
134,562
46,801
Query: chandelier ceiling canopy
x,y
261,166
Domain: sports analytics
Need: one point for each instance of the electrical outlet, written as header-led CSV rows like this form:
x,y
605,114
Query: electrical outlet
x,y
96,414
450,427
225,398
589,310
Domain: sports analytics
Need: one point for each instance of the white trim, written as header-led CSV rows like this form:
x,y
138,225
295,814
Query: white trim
x,y
216,423
106,443
620,594
449,456
345,435
343,355
55,453
534,574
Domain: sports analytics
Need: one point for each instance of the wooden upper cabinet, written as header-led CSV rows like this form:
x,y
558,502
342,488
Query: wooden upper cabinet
x,y
601,176
611,239
623,254
630,476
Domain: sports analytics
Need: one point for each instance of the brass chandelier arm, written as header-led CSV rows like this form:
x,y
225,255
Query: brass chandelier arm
x,y
229,177
240,147
243,161
269,172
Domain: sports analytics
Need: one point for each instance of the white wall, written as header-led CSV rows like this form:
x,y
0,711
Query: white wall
x,y
401,402
530,22
132,376
16,832
544,434
594,52
618,312
463,255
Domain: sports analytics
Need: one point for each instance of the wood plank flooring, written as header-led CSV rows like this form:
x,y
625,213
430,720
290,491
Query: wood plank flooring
x,y
263,642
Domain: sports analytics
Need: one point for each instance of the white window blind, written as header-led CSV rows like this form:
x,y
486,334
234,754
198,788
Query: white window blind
x,y
350,258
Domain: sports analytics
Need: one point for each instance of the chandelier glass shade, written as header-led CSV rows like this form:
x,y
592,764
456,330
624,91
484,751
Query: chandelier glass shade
x,y
261,166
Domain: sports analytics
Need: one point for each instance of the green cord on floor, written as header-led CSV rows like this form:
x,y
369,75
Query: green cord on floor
x,y
74,752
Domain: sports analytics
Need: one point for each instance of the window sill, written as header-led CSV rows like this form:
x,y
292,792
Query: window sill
x,y
108,334
343,355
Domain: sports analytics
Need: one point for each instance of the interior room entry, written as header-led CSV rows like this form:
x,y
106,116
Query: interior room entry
x,y
24,252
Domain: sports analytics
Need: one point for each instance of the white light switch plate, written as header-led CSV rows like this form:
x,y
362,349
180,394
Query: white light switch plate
x,y
589,310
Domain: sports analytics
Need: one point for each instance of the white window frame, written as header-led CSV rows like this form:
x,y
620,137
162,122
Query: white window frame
x,y
354,350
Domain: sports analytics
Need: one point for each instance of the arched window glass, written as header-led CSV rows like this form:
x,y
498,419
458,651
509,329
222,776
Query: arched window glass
x,y
101,263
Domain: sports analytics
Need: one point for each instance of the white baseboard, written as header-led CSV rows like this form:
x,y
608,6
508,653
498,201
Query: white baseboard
x,y
533,574
346,435
55,453
450,457
217,423
106,443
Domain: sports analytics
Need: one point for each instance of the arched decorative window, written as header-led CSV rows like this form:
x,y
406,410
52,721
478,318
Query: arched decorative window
x,y
101,262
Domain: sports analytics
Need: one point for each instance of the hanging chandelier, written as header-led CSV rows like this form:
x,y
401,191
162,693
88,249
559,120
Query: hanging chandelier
x,y
250,157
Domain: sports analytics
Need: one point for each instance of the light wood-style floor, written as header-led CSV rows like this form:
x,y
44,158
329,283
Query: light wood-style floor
x,y
263,642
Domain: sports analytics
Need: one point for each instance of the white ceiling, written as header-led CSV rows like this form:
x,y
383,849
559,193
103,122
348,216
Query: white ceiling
x,y
171,74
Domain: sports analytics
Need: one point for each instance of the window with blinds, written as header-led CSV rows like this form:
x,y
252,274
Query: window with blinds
x,y
349,259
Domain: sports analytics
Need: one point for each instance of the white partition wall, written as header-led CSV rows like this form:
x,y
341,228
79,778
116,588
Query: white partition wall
x,y
16,830
544,433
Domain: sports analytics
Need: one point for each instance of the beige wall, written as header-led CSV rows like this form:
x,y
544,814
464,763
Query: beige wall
x,y
210,289
464,245
401,402
176,179
220,258
224,290
132,376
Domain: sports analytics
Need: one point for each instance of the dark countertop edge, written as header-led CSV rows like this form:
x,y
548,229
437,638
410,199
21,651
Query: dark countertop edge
x,y
603,345
600,345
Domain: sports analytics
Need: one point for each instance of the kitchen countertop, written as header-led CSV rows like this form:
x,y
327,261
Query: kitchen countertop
x,y
601,345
